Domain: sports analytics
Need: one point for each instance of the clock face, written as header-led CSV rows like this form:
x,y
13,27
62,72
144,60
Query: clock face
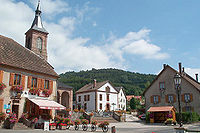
x,y
39,43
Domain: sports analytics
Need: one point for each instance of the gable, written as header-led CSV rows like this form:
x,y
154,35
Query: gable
x,y
103,88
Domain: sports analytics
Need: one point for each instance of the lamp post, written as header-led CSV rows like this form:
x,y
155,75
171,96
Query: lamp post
x,y
177,82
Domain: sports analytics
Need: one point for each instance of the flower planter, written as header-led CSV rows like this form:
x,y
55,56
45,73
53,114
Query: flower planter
x,y
63,126
52,126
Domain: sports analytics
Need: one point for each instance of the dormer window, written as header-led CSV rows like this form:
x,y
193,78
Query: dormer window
x,y
39,43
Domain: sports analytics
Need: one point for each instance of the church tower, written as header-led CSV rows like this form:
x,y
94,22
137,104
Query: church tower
x,y
36,36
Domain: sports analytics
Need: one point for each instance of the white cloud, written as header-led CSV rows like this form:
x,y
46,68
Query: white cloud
x,y
67,52
192,72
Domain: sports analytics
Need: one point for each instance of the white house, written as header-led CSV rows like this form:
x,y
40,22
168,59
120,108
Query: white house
x,y
98,96
121,98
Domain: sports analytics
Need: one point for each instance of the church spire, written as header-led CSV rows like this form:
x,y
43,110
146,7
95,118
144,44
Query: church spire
x,y
37,22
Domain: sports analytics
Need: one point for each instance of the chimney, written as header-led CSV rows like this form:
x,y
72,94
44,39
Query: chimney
x,y
196,77
180,67
95,83
164,65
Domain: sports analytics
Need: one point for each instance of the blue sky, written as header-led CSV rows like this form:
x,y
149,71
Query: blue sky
x,y
133,35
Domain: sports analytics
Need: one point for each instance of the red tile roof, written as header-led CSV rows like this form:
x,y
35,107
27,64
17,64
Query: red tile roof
x,y
15,55
160,109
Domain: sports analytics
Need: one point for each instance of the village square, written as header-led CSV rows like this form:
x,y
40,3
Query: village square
x,y
34,98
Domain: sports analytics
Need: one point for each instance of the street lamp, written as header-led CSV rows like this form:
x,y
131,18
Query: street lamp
x,y
177,82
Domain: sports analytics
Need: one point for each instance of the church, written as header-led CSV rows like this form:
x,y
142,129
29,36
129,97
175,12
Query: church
x,y
28,83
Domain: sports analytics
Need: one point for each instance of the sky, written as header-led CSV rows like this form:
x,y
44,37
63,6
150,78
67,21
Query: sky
x,y
132,35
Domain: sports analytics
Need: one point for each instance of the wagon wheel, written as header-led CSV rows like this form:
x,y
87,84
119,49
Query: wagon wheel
x,y
76,127
105,128
68,126
84,127
93,128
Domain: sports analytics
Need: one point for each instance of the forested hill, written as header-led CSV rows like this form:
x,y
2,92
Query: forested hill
x,y
134,83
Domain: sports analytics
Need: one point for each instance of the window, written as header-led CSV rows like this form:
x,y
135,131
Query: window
x,y
88,97
155,99
17,79
188,109
85,106
46,84
108,97
107,89
39,43
79,98
100,106
34,83
85,99
170,98
162,85
100,97
187,97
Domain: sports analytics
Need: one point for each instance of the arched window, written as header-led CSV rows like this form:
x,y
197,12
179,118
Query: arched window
x,y
39,43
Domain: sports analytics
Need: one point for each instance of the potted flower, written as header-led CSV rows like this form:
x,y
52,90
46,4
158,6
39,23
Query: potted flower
x,y
17,88
33,122
34,91
63,126
82,110
10,121
2,86
76,110
91,114
52,126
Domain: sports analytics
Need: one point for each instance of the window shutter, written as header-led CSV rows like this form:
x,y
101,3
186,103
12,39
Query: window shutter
x,y
151,98
29,82
174,96
159,100
51,85
38,83
1,105
1,76
23,81
182,98
166,99
192,108
183,109
42,83
191,97
11,82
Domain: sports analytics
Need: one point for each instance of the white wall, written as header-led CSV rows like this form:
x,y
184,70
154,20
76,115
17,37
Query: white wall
x,y
122,100
90,104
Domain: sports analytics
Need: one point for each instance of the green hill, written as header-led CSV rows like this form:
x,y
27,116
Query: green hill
x,y
134,83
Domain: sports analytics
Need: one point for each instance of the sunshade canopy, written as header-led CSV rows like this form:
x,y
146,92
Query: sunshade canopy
x,y
160,109
47,104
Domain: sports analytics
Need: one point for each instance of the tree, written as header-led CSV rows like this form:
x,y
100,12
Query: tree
x,y
134,103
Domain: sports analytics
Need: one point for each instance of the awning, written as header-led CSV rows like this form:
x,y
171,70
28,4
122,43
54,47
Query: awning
x,y
160,109
47,104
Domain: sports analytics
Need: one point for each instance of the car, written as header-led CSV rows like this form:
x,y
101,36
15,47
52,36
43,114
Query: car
x,y
142,116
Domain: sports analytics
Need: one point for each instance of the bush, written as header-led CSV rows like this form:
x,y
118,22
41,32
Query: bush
x,y
188,117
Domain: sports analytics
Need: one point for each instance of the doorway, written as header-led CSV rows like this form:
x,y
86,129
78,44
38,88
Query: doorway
x,y
15,109
108,107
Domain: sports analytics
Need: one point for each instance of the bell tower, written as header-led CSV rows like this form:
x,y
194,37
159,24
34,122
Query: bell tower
x,y
36,36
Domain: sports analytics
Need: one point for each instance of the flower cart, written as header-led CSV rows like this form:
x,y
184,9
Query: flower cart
x,y
93,126
52,126
104,126
85,124
63,126
76,124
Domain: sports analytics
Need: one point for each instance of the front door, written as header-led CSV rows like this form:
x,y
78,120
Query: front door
x,y
108,107
15,109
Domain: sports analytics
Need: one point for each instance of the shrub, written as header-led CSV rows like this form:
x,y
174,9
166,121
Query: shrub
x,y
188,117
147,117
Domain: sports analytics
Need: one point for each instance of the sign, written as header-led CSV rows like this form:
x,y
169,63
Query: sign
x,y
46,126
8,111
6,106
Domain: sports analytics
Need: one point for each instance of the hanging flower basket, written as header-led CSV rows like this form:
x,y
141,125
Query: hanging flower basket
x,y
17,88
2,86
